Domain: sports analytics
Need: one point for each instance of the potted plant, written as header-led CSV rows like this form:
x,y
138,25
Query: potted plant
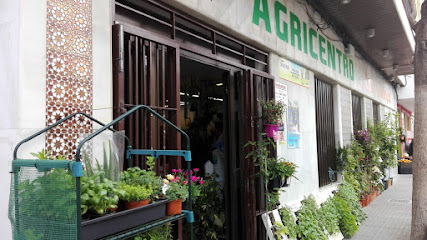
x,y
274,171
272,112
99,197
281,170
176,193
177,188
136,195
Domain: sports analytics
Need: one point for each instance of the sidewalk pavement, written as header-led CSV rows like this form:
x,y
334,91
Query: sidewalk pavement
x,y
389,216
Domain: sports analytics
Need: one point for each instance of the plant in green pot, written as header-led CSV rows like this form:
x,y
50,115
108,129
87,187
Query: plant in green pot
x,y
176,193
272,112
136,195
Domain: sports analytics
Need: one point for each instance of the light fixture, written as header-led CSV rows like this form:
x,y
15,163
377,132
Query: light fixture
x,y
345,1
219,84
386,53
370,32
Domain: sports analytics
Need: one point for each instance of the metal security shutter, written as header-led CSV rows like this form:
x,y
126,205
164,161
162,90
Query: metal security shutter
x,y
324,130
357,112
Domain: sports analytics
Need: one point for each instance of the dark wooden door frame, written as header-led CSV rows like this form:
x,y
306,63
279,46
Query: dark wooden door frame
x,y
249,211
173,73
253,92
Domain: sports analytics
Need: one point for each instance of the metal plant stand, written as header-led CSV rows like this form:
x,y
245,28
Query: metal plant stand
x,y
25,177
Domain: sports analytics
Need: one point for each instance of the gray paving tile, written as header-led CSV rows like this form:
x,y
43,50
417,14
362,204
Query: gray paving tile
x,y
389,216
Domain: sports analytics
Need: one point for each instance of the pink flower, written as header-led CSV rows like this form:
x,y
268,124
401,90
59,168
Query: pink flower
x,y
193,178
177,178
196,169
174,170
179,170
185,182
201,182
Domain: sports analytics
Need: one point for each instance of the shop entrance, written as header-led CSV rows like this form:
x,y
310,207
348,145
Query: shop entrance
x,y
209,112
217,103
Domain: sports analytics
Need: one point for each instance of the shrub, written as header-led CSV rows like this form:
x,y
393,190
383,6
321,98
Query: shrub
x,y
308,226
328,217
347,221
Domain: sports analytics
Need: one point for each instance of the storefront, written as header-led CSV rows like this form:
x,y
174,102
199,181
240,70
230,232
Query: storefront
x,y
205,66
207,79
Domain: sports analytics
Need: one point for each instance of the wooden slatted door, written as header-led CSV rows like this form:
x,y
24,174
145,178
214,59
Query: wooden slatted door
x,y
325,130
146,71
256,86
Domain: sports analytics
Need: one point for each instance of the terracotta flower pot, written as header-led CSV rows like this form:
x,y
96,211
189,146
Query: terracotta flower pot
x,y
364,202
270,129
131,205
174,207
373,196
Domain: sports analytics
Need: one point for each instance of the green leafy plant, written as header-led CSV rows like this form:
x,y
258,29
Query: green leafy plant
x,y
47,155
98,195
163,232
348,194
31,235
136,176
209,211
328,217
176,191
289,222
279,230
270,167
308,226
272,111
347,221
135,192
55,189
273,200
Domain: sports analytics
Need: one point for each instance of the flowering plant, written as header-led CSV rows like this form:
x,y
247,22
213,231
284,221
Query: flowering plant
x,y
276,168
405,160
179,179
176,191
362,136
272,111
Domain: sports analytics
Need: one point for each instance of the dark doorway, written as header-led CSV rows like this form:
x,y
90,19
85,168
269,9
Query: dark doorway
x,y
202,109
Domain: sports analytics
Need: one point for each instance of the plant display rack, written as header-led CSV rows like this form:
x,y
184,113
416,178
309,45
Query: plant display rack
x,y
65,222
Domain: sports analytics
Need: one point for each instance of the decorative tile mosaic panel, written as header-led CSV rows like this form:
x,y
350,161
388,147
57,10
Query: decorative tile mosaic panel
x,y
69,73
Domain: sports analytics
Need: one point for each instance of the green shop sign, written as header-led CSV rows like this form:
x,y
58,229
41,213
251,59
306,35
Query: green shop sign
x,y
302,37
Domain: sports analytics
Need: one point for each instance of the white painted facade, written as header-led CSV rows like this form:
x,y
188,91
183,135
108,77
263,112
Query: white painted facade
x,y
23,80
236,18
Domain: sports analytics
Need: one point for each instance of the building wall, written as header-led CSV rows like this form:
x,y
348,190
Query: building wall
x,y
237,18
346,113
22,85
241,18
